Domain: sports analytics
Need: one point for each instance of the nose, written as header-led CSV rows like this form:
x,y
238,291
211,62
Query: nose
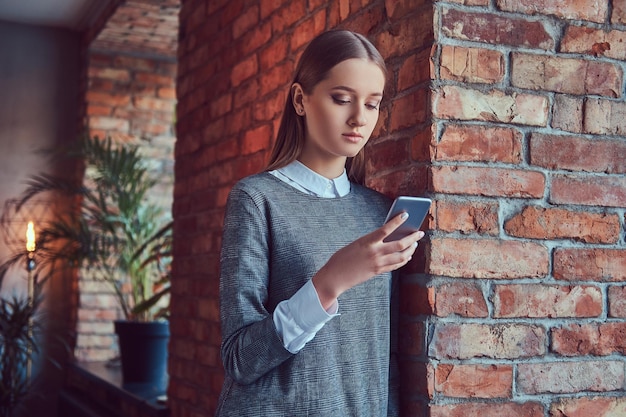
x,y
358,119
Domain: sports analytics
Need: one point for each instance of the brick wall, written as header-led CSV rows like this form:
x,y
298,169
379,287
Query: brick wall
x,y
130,96
527,262
510,116
130,99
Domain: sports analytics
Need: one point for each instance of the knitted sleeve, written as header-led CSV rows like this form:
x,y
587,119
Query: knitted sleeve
x,y
393,404
251,345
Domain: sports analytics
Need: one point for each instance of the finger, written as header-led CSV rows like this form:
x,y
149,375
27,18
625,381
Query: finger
x,y
412,238
395,222
402,244
399,259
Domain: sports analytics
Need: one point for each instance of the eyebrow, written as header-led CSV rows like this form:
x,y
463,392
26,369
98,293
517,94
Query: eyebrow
x,y
352,90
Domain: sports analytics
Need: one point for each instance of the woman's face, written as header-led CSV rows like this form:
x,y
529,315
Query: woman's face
x,y
340,114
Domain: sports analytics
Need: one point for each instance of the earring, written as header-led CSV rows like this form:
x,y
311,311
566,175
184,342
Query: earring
x,y
300,111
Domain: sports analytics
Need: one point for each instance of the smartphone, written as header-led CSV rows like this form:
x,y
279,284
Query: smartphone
x,y
417,207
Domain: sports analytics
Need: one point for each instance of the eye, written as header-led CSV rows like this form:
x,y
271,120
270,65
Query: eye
x,y
341,99
372,106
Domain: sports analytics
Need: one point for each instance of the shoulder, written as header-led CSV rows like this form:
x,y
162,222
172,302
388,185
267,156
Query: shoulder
x,y
255,181
367,197
362,191
257,186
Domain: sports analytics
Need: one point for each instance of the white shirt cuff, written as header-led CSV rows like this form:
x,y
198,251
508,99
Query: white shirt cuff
x,y
299,318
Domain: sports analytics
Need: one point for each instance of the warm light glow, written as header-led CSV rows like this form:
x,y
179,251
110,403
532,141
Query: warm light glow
x,y
30,237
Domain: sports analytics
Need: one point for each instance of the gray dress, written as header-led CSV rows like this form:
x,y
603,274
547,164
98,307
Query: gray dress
x,y
275,239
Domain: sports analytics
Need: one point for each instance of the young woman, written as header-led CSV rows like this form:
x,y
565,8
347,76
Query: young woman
x,y
305,283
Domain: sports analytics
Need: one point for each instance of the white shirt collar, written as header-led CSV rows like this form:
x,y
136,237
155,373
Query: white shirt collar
x,y
305,179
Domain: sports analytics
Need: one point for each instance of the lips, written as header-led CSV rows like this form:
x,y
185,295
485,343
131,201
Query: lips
x,y
353,137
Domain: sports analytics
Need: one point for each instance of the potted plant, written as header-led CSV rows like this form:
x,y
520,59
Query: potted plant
x,y
18,328
114,233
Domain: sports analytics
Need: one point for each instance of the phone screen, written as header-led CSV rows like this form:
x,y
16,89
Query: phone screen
x,y
417,207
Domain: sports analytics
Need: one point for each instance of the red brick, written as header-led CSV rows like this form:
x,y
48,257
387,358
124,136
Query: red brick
x,y
569,377
553,223
248,93
600,265
574,153
589,339
590,10
537,300
109,123
369,20
451,102
96,110
607,191
568,113
398,9
269,108
474,381
231,11
154,104
487,181
381,129
244,70
407,35
414,70
414,299
604,117
565,75
589,406
308,29
474,409
256,139
617,301
221,105
495,29
246,20
275,52
487,258
479,144
411,340
388,153
288,15
471,65
166,93
238,121
115,74
154,79
251,41
586,40
466,217
420,145
498,341
404,181
619,13
267,7
461,299
276,78
108,99
409,110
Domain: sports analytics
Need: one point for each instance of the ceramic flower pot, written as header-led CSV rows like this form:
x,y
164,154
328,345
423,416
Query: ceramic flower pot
x,y
143,351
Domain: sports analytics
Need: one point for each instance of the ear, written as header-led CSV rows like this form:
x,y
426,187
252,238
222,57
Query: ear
x,y
297,98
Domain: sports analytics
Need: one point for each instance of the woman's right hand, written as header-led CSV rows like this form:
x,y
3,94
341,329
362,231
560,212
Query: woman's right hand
x,y
363,259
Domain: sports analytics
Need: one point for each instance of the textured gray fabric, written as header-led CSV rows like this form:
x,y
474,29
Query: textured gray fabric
x,y
275,239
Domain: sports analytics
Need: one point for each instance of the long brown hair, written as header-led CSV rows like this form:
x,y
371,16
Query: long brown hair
x,y
319,57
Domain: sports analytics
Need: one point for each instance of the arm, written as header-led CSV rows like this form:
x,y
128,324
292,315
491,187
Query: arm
x,y
393,405
363,259
251,345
